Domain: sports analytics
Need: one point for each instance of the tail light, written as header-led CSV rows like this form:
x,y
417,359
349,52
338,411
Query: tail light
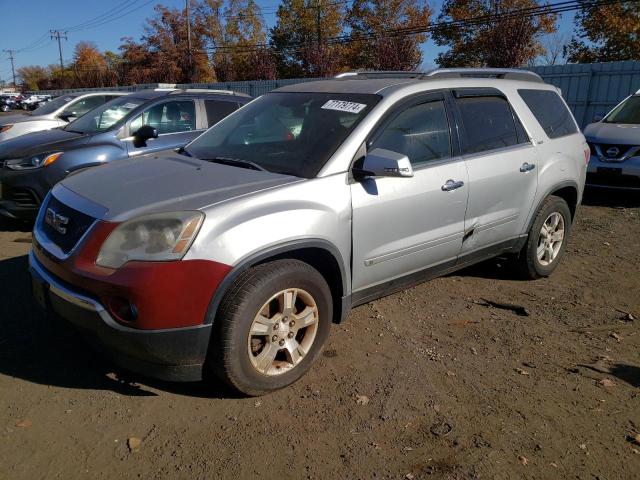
x,y
587,156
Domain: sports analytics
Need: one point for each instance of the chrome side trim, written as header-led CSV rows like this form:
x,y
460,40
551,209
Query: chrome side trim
x,y
413,249
631,152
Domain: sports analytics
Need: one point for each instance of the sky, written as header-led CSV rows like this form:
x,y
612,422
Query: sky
x,y
30,21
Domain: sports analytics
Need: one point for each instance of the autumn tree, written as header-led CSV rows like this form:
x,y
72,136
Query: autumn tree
x,y
89,66
503,38
379,38
34,77
303,38
605,33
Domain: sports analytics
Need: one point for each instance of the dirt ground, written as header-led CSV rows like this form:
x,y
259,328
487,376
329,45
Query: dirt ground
x,y
427,383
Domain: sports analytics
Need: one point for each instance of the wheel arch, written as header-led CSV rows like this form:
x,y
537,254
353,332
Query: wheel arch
x,y
320,254
567,190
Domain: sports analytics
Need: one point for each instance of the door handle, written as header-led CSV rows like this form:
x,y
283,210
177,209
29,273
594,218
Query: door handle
x,y
527,167
450,185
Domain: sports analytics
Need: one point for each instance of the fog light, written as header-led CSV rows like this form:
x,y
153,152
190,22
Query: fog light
x,y
122,309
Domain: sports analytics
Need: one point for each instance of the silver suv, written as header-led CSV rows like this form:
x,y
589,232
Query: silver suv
x,y
235,254
615,147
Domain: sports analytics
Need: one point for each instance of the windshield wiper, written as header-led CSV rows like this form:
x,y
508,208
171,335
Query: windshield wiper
x,y
236,162
184,151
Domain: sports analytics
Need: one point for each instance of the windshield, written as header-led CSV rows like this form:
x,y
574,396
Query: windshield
x,y
627,112
104,117
283,132
53,105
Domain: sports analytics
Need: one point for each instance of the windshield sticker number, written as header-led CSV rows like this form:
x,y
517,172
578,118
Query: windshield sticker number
x,y
341,106
129,105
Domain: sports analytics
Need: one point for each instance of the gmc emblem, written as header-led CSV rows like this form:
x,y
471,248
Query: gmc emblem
x,y
56,221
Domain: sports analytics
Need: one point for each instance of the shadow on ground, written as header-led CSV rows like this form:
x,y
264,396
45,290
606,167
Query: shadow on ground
x,y
39,348
611,198
9,225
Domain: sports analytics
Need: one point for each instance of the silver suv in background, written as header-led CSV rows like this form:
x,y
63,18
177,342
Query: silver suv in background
x,y
236,253
53,114
615,147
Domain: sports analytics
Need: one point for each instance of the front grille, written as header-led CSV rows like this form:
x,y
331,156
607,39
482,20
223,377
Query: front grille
x,y
614,151
613,180
75,227
23,197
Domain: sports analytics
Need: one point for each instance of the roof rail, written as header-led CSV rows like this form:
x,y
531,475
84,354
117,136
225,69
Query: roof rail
x,y
381,74
506,73
205,90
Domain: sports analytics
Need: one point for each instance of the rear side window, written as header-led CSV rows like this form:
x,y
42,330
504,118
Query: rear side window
x,y
550,111
488,122
217,110
421,132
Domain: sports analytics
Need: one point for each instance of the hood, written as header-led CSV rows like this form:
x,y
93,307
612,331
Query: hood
x,y
15,118
166,181
21,118
624,134
39,142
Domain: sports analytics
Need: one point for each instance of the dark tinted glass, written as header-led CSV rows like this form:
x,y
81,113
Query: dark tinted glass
x,y
488,123
627,112
550,111
168,117
217,110
86,104
286,132
421,132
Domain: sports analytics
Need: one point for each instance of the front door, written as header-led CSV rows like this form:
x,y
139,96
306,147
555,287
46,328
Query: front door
x,y
175,121
501,161
406,225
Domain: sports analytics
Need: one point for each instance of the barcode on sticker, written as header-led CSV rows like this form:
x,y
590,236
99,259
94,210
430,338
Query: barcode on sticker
x,y
343,106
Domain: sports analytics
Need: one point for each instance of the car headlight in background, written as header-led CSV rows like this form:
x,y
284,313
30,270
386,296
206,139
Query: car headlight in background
x,y
156,237
37,161
4,128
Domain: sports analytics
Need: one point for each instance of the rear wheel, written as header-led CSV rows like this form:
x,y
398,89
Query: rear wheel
x,y
547,238
271,326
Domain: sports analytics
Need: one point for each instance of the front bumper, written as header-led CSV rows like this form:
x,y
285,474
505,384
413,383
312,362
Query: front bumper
x,y
175,354
623,175
21,193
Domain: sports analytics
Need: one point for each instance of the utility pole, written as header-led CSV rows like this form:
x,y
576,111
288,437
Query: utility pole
x,y
189,39
318,29
13,70
57,34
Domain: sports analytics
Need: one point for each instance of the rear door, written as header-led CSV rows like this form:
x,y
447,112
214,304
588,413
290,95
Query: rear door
x,y
175,120
501,162
407,225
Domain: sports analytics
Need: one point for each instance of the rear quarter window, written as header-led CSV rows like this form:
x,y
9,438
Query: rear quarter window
x,y
218,109
550,111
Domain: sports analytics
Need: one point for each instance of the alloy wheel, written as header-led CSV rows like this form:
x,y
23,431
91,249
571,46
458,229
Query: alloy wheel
x,y
551,238
283,331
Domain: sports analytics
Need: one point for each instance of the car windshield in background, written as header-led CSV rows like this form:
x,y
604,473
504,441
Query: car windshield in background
x,y
284,132
53,105
628,112
104,117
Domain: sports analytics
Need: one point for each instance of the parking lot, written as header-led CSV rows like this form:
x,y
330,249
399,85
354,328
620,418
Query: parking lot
x,y
433,382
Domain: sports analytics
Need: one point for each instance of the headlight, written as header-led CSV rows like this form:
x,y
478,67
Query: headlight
x,y
4,128
37,161
157,237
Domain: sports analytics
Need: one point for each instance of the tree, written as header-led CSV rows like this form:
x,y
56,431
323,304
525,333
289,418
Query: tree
x,y
502,40
34,77
301,38
377,39
605,33
89,65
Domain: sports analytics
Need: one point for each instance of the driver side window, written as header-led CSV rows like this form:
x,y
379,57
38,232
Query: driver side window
x,y
167,117
421,132
85,105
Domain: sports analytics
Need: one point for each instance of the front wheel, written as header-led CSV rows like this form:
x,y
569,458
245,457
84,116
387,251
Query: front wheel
x,y
547,239
271,326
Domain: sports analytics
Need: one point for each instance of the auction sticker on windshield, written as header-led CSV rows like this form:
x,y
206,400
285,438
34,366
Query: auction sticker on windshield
x,y
343,106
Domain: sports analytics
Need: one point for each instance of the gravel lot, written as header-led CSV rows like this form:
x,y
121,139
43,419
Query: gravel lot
x,y
427,383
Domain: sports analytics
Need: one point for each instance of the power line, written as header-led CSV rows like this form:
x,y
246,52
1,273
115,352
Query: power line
x,y
57,34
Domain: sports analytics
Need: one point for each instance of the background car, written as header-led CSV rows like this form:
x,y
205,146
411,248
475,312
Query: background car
x,y
615,147
56,113
142,122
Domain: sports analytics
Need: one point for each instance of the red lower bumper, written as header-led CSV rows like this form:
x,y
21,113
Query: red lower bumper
x,y
165,294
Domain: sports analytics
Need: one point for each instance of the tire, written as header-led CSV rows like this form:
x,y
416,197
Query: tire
x,y
529,262
5,108
243,361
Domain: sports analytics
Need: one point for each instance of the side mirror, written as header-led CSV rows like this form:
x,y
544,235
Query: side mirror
x,y
144,133
383,163
597,117
68,116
